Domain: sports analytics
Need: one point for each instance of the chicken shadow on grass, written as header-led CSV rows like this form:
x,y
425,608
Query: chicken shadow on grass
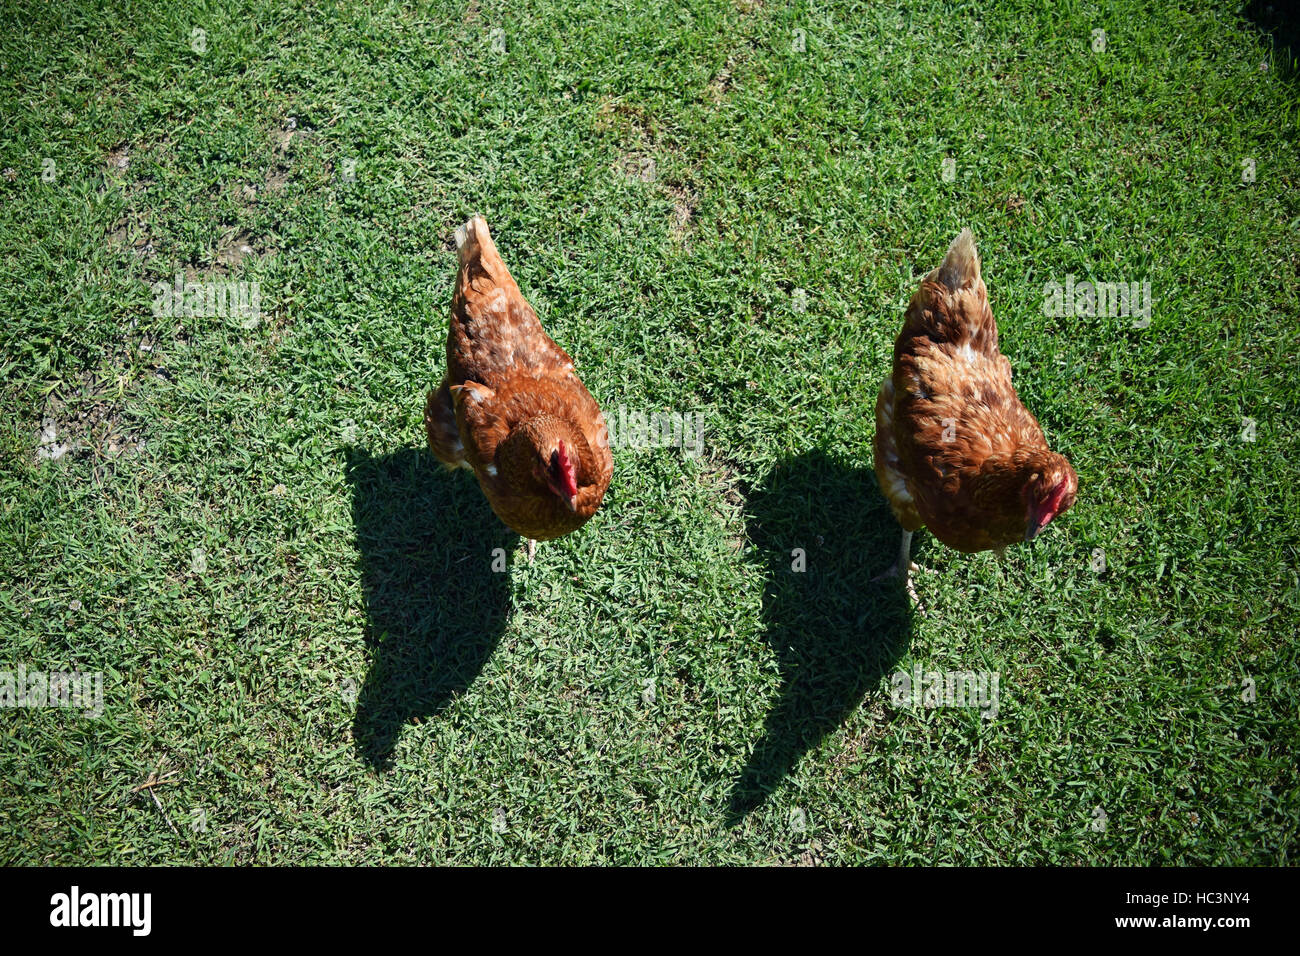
x,y
834,630
435,609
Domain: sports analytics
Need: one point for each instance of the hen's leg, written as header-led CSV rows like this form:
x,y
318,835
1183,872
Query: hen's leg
x,y
903,568
904,563
532,549
905,552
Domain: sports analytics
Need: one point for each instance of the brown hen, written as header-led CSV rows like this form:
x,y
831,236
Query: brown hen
x,y
511,408
956,451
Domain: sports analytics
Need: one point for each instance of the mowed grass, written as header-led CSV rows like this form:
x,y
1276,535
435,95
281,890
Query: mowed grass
x,y
338,675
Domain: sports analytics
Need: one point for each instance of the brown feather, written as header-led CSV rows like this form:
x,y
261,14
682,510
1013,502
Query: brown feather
x,y
513,395
956,450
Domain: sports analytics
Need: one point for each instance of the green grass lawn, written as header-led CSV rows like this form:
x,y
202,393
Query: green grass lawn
x,y
294,610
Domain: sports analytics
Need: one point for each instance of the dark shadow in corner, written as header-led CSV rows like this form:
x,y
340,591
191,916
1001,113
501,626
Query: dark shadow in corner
x,y
435,609
1279,20
835,632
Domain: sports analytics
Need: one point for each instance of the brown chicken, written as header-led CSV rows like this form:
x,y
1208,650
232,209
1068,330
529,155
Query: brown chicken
x,y
511,408
955,449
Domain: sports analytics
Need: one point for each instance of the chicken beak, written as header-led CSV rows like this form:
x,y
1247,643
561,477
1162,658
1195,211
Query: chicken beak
x,y
571,503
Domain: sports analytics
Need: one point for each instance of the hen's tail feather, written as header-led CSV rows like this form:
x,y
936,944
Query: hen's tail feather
x,y
961,266
474,241
482,277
